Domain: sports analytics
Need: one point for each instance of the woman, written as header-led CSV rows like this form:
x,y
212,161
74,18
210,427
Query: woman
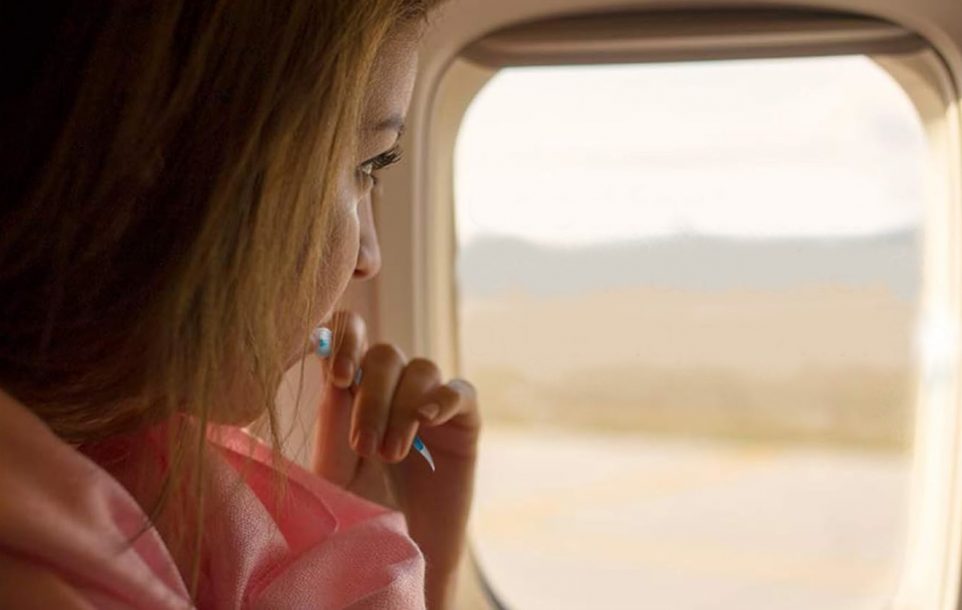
x,y
186,192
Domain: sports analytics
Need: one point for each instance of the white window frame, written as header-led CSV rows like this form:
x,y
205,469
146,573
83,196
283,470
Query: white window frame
x,y
415,299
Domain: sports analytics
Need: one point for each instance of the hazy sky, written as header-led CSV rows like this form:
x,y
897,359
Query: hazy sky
x,y
762,148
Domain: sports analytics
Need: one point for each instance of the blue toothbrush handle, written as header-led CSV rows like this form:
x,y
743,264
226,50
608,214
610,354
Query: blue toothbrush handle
x,y
421,448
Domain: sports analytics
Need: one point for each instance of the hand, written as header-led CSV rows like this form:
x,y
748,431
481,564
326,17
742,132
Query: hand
x,y
364,439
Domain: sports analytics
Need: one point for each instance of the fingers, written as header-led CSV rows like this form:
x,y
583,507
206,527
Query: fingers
x,y
456,397
381,414
420,376
456,429
350,342
383,365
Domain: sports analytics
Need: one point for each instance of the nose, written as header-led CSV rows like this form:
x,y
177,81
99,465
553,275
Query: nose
x,y
369,251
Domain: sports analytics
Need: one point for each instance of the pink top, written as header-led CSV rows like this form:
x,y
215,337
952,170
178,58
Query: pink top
x,y
65,524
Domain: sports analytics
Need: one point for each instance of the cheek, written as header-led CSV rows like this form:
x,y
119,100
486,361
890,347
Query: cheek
x,y
340,256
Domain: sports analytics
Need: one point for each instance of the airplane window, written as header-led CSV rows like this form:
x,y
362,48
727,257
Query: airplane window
x,y
688,294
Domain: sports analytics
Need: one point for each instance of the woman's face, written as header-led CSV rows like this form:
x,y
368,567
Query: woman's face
x,y
353,251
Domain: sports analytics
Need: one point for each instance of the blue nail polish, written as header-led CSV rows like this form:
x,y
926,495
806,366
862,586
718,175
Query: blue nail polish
x,y
323,337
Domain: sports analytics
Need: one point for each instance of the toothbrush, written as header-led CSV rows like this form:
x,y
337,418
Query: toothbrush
x,y
323,335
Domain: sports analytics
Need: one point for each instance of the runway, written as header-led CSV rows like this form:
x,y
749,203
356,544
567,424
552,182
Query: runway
x,y
565,521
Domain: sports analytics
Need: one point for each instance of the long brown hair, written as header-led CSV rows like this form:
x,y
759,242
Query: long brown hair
x,y
166,174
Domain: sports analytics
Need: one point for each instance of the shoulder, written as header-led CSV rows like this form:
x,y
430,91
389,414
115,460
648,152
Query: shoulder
x,y
25,585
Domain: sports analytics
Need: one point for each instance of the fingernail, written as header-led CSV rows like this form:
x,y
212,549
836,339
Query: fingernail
x,y
322,335
366,443
430,411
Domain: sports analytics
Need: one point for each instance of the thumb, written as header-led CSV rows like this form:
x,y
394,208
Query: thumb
x,y
334,459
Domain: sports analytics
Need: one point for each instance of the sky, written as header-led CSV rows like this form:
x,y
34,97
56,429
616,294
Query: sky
x,y
821,147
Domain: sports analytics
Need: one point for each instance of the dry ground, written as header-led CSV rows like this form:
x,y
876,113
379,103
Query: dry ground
x,y
818,364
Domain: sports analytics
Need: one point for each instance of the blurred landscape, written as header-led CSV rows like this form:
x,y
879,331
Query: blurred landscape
x,y
687,296
806,340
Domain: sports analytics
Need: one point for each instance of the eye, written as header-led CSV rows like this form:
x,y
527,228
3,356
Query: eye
x,y
382,161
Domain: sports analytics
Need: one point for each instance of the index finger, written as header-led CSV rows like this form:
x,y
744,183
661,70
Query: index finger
x,y
349,342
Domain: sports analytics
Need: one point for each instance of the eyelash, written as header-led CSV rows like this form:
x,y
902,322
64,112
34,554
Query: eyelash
x,y
382,161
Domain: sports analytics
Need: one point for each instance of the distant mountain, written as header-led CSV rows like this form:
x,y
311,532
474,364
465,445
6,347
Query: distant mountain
x,y
491,266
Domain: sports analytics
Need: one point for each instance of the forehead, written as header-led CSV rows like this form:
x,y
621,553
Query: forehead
x,y
392,79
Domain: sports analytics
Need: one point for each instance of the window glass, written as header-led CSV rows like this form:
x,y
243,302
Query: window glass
x,y
687,295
